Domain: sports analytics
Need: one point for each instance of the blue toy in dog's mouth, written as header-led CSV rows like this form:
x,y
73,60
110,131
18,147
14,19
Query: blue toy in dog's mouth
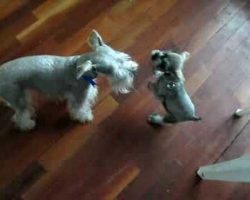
x,y
89,79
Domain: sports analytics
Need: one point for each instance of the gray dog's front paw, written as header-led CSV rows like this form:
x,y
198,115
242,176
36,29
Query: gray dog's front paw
x,y
155,119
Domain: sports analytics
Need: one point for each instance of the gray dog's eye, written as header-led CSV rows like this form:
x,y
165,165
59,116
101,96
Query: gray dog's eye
x,y
155,56
164,64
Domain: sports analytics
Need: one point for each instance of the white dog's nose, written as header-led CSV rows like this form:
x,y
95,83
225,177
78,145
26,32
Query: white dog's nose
x,y
132,64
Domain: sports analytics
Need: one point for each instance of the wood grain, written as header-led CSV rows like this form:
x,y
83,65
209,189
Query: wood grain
x,y
119,155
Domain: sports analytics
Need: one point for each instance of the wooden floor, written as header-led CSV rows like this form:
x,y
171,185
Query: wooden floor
x,y
119,156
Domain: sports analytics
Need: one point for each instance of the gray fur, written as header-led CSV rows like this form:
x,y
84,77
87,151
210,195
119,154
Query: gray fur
x,y
60,78
169,88
169,61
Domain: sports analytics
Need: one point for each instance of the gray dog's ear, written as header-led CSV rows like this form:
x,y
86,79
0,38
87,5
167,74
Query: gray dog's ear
x,y
95,40
82,68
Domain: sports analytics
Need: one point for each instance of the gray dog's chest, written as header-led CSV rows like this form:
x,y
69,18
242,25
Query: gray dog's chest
x,y
176,101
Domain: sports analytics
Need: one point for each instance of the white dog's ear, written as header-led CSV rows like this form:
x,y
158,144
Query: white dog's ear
x,y
95,40
82,68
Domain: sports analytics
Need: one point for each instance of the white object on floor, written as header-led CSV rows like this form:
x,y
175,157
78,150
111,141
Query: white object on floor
x,y
237,170
241,112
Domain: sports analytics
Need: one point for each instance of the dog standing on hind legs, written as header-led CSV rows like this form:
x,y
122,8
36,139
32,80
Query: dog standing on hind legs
x,y
169,88
61,77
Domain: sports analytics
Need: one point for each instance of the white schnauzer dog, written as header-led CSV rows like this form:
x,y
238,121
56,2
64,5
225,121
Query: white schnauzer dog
x,y
69,78
168,87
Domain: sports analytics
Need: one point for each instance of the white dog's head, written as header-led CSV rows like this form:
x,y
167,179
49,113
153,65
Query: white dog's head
x,y
116,65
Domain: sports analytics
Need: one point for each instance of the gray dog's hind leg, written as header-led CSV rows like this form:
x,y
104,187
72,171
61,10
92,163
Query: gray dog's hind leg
x,y
20,101
156,119
160,120
80,107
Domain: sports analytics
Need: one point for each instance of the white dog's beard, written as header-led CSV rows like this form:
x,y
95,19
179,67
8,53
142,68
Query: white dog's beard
x,y
123,77
122,82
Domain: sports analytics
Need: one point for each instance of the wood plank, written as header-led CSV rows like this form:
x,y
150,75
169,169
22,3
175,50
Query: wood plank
x,y
77,137
227,190
55,8
115,184
218,20
199,129
7,8
120,156
96,169
12,24
22,182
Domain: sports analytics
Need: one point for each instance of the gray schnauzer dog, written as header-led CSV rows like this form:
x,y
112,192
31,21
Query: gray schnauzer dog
x,y
64,78
168,87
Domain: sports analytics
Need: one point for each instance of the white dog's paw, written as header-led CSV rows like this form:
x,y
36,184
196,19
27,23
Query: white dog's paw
x,y
26,125
87,118
23,121
155,119
82,117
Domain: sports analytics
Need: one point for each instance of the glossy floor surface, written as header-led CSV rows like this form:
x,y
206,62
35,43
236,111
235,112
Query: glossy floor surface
x,y
119,156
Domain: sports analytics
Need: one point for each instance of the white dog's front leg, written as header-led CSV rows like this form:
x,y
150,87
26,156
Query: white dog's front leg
x,y
81,110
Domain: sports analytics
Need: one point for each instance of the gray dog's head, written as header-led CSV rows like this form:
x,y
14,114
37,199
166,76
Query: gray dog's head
x,y
169,61
116,65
